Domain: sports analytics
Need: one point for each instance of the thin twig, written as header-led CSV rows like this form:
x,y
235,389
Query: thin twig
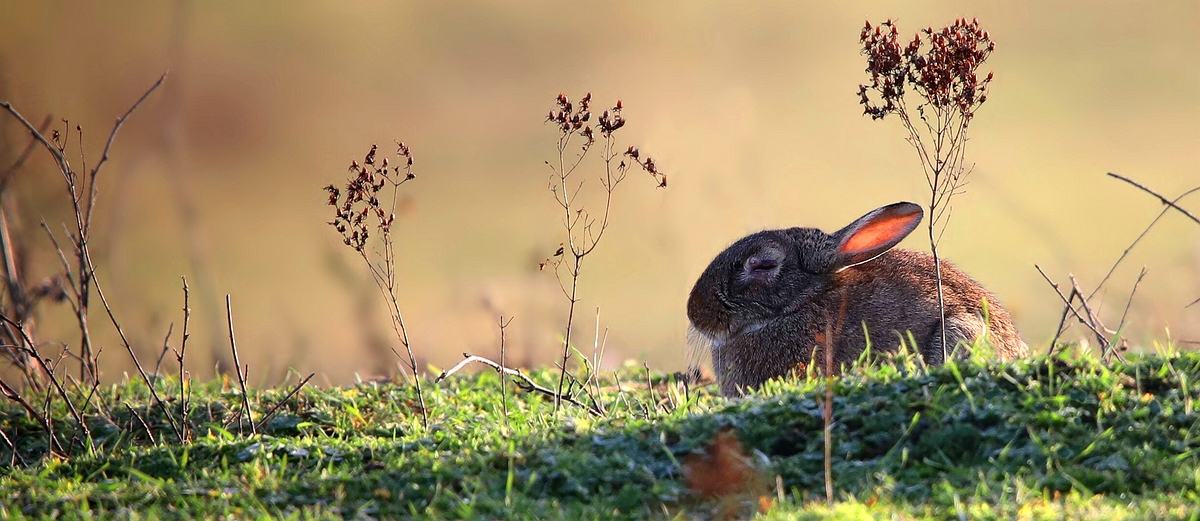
x,y
166,347
1061,323
237,366
1067,301
59,158
1161,199
22,303
121,121
1112,269
54,381
179,357
583,232
525,382
8,174
383,271
82,215
650,387
1132,292
271,413
1138,239
1096,325
62,257
15,396
129,348
87,400
12,461
142,421
84,225
597,362
503,376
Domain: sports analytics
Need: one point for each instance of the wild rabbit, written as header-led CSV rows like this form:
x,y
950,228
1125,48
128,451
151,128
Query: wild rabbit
x,y
764,304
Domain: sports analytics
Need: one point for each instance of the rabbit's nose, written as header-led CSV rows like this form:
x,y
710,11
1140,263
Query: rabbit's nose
x,y
757,263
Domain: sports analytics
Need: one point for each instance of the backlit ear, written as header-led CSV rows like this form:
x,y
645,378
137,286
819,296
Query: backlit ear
x,y
875,233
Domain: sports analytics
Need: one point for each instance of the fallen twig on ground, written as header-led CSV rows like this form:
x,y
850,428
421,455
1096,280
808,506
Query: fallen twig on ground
x,y
524,381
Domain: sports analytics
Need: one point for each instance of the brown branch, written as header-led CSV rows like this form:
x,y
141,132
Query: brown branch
x,y
1096,325
48,371
1112,269
166,347
1062,321
22,303
237,367
128,347
59,158
87,401
16,456
84,225
1129,302
142,421
1161,199
82,214
1138,239
179,357
8,174
112,136
503,377
271,413
650,387
1071,307
44,419
525,382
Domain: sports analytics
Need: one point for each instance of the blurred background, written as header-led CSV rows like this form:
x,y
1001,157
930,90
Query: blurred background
x,y
750,108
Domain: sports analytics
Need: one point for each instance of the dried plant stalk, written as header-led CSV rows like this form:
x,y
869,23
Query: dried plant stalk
x,y
583,230
360,211
935,74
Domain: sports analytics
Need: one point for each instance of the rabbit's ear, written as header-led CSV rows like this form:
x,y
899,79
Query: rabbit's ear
x,y
875,233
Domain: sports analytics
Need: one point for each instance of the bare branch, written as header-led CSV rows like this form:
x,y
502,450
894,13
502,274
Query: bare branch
x,y
43,419
91,267
1161,199
525,382
1062,321
166,347
179,357
59,158
112,136
142,421
1088,322
1135,242
237,367
49,372
271,413
1093,320
8,174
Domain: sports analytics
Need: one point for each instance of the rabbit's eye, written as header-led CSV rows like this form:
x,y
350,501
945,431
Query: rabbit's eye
x,y
761,264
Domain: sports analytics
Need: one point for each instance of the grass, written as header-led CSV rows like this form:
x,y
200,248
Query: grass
x,y
1043,438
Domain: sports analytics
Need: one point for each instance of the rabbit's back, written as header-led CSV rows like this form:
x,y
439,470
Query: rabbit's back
x,y
889,297
898,292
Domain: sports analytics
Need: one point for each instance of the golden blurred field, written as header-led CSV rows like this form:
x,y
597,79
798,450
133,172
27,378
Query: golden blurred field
x,y
750,108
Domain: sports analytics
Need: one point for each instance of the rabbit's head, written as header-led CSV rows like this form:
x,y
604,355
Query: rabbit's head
x,y
770,273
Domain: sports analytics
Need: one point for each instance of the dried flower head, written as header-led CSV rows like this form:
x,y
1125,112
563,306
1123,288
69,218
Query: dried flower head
x,y
940,66
361,197
647,164
572,118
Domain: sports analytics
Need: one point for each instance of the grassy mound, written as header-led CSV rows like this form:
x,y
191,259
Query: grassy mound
x,y
1044,437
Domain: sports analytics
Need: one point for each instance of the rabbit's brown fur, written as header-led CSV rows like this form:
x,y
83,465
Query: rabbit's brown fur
x,y
766,303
